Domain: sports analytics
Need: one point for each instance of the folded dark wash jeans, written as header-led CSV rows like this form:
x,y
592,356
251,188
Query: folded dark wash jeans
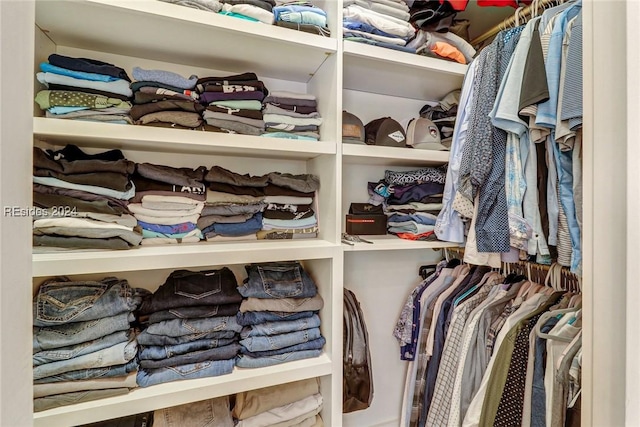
x,y
184,288
61,300
91,373
194,312
68,334
251,226
305,183
277,280
181,327
137,420
256,317
69,352
316,344
224,176
218,353
157,352
148,339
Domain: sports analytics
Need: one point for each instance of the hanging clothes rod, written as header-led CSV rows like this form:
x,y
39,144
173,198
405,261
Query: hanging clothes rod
x,y
524,15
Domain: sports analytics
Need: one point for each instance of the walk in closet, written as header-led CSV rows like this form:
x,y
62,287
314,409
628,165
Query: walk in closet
x,y
365,80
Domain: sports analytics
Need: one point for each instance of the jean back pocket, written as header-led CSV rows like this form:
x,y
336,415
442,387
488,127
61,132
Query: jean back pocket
x,y
281,281
59,302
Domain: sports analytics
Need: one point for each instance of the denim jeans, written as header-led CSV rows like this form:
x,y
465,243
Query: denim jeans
x,y
194,312
180,327
49,337
206,413
277,280
149,377
73,351
157,352
148,339
283,327
61,301
255,317
219,353
118,354
251,226
185,288
275,342
244,361
57,400
92,373
316,344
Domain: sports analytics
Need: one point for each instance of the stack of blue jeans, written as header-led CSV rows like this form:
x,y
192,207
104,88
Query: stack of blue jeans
x,y
192,330
83,346
280,315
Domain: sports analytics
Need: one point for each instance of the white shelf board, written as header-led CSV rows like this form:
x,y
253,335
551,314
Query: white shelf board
x,y
392,156
181,392
178,256
182,35
393,243
148,138
390,72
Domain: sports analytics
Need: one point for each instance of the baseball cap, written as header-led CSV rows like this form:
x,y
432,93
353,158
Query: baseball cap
x,y
424,134
352,129
385,131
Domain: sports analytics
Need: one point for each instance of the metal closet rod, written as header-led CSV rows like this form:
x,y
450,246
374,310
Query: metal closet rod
x,y
524,14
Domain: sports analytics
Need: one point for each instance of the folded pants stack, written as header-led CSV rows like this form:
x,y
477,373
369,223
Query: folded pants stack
x,y
192,329
233,103
412,200
165,99
293,404
85,200
301,15
382,23
292,115
280,315
84,89
250,10
82,343
169,216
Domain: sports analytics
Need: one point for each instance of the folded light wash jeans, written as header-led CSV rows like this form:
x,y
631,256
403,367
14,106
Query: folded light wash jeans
x,y
316,344
180,327
244,361
275,342
148,339
149,377
69,334
157,352
61,300
277,280
206,413
255,317
219,353
70,352
118,354
92,373
283,327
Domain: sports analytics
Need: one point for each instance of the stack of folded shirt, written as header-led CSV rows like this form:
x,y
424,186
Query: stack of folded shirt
x,y
233,103
83,347
84,89
192,329
292,115
279,316
249,10
170,217
442,45
301,15
382,23
293,404
412,200
83,200
165,99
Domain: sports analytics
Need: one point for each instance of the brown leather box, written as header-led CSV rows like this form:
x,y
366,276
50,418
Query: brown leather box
x,y
364,219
